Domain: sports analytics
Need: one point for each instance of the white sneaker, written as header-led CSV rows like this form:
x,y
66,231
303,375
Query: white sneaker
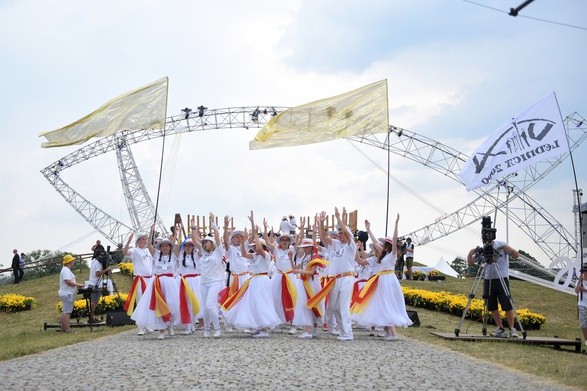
x,y
346,338
305,336
141,332
334,332
499,332
293,330
391,337
261,334
315,332
513,332
148,330
206,333
247,331
185,332
171,331
161,335
217,333
229,329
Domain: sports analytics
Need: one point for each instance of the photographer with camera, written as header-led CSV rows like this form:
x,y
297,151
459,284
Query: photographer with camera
x,y
98,269
581,290
493,256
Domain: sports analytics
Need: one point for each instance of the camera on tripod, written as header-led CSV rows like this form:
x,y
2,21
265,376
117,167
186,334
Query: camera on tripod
x,y
105,259
486,253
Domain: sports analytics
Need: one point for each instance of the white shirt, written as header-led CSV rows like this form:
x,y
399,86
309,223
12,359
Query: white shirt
x,y
238,263
95,266
211,265
343,259
165,264
66,274
142,261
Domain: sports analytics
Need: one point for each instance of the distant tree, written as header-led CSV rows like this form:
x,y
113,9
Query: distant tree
x,y
524,253
459,265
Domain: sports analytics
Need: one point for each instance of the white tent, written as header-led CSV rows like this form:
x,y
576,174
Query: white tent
x,y
443,266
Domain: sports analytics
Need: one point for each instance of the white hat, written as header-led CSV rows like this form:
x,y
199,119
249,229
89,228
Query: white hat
x,y
307,242
387,239
236,232
140,235
164,241
284,235
208,238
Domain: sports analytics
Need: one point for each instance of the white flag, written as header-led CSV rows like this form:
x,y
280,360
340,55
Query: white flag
x,y
359,112
143,108
535,135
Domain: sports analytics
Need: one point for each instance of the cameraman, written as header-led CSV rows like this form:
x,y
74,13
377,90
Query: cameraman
x,y
495,256
98,269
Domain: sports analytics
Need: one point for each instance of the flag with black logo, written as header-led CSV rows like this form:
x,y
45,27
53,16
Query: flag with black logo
x,y
534,135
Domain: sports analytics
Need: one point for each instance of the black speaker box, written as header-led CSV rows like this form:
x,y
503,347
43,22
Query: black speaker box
x,y
414,318
118,318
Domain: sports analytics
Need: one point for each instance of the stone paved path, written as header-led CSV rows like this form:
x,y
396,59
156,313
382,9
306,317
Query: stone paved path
x,y
238,361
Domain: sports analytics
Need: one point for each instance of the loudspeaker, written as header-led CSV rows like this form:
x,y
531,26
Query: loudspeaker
x,y
414,318
118,318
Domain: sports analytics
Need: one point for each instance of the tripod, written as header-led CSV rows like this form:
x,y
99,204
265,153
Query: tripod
x,y
478,278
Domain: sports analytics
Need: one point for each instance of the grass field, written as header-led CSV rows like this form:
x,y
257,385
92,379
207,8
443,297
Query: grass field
x,y
22,333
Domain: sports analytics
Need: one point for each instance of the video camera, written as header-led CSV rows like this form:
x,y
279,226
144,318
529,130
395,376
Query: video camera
x,y
487,252
105,259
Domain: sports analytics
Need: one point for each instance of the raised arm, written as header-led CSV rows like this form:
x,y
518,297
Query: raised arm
x,y
394,244
374,240
127,245
326,241
226,234
150,240
214,230
342,223
196,235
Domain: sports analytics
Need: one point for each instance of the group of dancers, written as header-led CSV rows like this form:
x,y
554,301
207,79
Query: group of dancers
x,y
271,280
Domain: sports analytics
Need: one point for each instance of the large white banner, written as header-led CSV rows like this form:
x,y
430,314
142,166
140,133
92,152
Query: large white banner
x,y
359,112
143,108
534,135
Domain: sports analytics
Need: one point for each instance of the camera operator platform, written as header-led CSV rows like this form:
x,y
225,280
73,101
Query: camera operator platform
x,y
493,261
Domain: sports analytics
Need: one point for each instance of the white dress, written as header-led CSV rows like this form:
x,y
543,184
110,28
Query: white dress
x,y
164,270
304,316
387,305
283,266
192,274
255,308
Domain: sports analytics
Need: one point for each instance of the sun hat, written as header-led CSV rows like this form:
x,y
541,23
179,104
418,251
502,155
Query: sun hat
x,y
307,242
236,232
387,239
140,235
285,236
68,258
164,241
208,238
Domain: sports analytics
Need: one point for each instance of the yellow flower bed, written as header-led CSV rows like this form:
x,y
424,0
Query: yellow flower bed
x,y
12,302
105,304
126,268
455,304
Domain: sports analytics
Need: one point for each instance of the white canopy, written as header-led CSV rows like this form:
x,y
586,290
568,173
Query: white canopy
x,y
443,266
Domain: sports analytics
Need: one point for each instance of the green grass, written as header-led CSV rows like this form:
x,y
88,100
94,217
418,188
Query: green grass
x,y
22,333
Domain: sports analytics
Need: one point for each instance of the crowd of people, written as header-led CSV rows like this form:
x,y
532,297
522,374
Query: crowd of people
x,y
257,281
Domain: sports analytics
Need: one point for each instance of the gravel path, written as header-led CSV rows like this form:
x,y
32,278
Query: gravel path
x,y
237,361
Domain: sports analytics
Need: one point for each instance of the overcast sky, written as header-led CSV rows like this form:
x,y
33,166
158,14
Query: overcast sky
x,y
456,72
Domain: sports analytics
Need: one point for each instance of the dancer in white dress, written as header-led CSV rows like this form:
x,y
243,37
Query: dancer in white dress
x,y
189,271
283,289
142,262
381,301
251,307
158,309
308,284
210,259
